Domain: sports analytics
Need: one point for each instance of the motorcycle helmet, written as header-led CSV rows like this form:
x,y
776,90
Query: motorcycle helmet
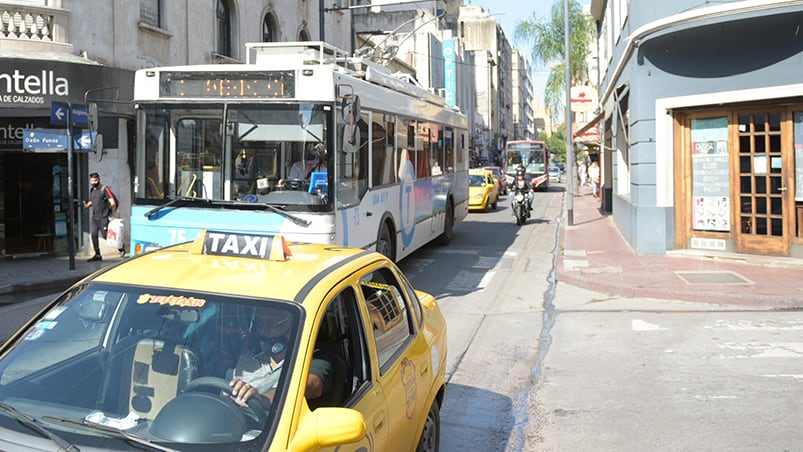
x,y
520,171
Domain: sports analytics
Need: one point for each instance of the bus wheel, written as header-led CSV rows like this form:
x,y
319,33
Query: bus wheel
x,y
448,224
384,243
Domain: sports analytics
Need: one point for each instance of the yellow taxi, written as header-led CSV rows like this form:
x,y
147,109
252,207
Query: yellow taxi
x,y
149,354
483,191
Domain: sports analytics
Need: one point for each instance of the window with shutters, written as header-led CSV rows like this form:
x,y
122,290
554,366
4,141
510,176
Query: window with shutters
x,y
150,12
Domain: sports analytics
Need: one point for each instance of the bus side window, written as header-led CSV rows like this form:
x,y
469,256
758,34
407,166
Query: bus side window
x,y
423,144
381,153
448,148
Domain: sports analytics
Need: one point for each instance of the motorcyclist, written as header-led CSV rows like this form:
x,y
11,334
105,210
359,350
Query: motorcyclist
x,y
520,184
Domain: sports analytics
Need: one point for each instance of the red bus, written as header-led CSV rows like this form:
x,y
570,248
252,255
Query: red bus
x,y
533,156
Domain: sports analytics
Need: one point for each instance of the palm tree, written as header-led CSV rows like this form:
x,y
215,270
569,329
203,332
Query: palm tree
x,y
547,38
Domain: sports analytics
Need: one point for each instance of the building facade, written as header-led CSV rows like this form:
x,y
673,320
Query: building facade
x,y
493,58
702,122
523,100
73,53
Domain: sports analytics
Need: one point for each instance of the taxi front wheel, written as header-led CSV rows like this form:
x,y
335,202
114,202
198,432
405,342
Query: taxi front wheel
x,y
223,385
431,436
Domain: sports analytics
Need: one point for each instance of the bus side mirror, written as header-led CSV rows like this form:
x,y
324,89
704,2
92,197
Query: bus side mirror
x,y
350,135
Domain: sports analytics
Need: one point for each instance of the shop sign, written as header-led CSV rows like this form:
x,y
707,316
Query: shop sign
x,y
24,87
12,131
589,135
26,83
583,98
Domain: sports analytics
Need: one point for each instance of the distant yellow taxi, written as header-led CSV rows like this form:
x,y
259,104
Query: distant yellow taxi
x,y
483,190
145,355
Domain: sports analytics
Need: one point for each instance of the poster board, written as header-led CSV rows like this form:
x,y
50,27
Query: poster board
x,y
710,174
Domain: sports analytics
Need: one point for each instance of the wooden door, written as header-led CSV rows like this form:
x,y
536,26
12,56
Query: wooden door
x,y
763,166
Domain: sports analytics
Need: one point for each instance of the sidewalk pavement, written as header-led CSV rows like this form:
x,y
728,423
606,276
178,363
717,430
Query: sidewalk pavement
x,y
34,273
594,255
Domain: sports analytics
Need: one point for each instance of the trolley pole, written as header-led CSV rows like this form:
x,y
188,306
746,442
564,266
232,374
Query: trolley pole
x,y
569,136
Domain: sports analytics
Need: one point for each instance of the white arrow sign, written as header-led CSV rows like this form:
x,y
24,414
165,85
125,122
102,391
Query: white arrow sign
x,y
85,141
59,114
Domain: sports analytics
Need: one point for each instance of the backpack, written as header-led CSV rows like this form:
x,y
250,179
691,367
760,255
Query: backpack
x,y
109,192
111,196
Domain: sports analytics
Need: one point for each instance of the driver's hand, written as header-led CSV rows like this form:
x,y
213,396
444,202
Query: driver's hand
x,y
242,391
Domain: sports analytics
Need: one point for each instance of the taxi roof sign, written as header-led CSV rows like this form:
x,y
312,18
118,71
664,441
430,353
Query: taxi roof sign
x,y
218,243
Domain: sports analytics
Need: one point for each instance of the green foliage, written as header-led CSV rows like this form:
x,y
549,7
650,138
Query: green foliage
x,y
556,143
547,38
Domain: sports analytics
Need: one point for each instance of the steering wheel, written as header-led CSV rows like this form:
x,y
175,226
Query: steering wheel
x,y
197,384
294,184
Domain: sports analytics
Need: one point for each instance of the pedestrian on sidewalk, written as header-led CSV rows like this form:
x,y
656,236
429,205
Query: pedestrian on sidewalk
x,y
102,205
582,173
593,176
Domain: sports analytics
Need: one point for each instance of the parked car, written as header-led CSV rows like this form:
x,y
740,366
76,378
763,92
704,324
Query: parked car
x,y
554,173
501,179
482,190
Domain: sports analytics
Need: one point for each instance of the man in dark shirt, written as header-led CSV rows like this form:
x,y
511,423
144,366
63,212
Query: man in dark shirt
x,y
102,206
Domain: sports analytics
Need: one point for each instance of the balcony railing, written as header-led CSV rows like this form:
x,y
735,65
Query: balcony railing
x,y
20,24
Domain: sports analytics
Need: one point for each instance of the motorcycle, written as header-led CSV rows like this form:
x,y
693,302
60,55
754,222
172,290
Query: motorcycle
x,y
521,209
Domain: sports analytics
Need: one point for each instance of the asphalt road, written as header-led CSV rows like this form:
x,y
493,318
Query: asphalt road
x,y
537,365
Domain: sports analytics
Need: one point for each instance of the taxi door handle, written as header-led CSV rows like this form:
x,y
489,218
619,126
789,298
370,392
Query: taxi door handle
x,y
379,420
369,214
424,369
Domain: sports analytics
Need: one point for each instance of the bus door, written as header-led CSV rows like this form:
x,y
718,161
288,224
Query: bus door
x,y
355,223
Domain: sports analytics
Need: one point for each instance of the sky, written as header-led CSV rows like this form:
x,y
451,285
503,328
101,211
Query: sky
x,y
508,13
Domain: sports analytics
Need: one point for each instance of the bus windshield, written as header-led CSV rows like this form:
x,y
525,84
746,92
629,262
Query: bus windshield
x,y
531,156
272,154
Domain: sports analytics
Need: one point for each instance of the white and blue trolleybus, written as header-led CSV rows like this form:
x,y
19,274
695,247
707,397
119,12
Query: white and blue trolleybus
x,y
302,140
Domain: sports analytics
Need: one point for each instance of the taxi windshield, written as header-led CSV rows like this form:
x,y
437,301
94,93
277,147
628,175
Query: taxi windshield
x,y
476,180
151,364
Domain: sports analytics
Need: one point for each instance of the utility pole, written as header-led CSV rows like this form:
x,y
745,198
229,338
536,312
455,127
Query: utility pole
x,y
569,138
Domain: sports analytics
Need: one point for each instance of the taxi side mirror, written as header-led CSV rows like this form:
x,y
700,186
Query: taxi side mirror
x,y
328,427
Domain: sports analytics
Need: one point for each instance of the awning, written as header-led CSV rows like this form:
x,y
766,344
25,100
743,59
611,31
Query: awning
x,y
581,133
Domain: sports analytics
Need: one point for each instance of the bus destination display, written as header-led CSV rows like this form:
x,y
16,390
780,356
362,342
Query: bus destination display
x,y
276,84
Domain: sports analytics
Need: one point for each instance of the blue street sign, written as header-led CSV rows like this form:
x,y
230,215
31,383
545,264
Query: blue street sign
x,y
78,112
55,140
83,141
80,115
44,140
58,113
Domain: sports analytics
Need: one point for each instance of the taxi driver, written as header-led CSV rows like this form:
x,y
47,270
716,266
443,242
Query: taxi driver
x,y
257,375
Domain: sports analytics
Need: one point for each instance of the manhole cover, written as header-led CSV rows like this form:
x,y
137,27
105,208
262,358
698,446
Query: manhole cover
x,y
486,262
719,277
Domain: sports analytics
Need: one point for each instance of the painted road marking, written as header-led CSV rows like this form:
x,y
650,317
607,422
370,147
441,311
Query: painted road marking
x,y
761,350
641,325
756,325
